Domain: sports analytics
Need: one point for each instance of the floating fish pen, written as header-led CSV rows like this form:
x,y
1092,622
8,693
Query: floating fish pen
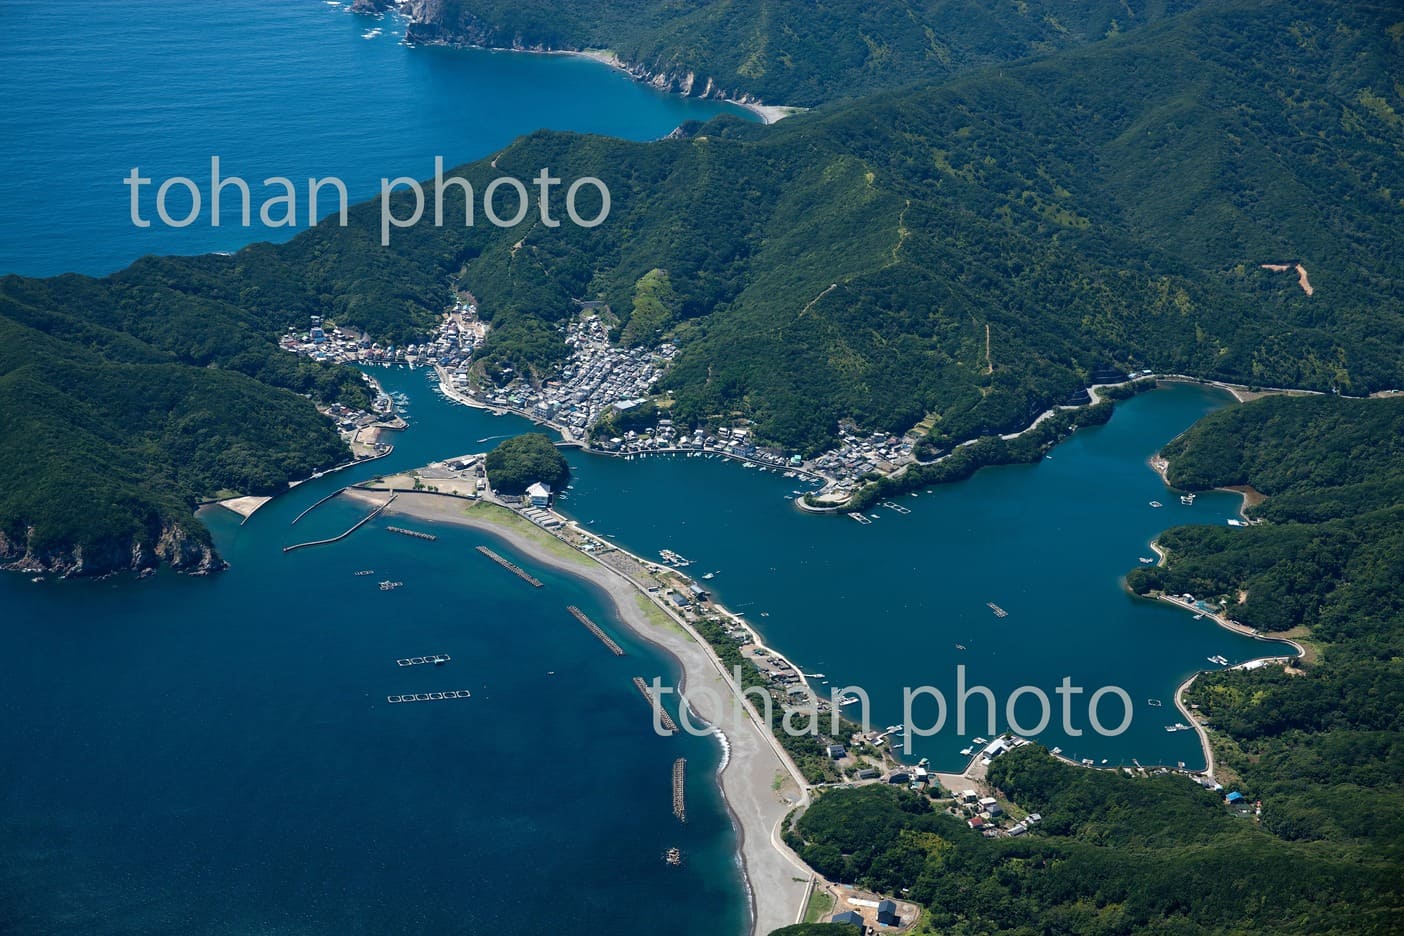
x,y
429,696
595,629
437,659
897,507
859,517
664,718
359,523
679,783
999,612
415,533
511,567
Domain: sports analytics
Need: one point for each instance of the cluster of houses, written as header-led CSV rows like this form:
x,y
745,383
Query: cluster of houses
x,y
451,346
598,375
985,815
858,455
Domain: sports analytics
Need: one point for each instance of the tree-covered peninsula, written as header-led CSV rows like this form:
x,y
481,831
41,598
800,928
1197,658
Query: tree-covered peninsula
x,y
521,461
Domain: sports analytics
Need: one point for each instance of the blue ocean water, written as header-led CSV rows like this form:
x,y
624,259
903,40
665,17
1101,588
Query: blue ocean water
x,y
218,756
293,88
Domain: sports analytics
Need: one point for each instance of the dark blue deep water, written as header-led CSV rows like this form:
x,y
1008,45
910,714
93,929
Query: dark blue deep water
x,y
274,88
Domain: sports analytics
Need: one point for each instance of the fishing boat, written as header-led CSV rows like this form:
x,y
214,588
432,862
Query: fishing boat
x,y
1156,504
1187,499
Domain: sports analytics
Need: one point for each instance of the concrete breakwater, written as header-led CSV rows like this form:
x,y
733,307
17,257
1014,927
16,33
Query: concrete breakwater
x,y
596,630
341,536
511,567
664,718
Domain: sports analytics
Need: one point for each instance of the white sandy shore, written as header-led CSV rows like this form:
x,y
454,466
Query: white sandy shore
x,y
777,881
244,506
768,113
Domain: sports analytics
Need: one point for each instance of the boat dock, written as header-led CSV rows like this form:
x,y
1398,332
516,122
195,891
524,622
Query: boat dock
x,y
595,629
437,659
415,533
999,612
430,696
679,791
664,718
359,523
511,567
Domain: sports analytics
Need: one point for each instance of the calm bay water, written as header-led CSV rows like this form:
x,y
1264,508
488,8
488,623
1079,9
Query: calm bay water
x,y
274,88
216,754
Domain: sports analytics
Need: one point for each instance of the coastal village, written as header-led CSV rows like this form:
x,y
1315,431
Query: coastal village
x,y
601,377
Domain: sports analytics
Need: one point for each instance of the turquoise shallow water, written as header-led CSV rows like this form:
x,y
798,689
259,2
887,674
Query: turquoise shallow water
x,y
288,88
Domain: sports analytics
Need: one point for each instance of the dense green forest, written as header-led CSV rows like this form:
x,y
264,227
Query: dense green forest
x,y
969,251
795,52
521,461
1113,855
1109,204
126,403
1323,749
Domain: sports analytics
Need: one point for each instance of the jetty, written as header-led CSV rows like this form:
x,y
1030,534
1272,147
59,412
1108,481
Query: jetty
x,y
511,567
679,792
595,629
429,696
359,523
664,718
437,659
415,533
316,505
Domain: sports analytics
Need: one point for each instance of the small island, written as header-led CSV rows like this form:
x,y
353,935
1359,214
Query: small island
x,y
524,461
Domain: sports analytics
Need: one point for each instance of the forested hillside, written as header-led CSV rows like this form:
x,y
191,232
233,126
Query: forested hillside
x,y
109,437
796,52
1324,749
968,251
1113,855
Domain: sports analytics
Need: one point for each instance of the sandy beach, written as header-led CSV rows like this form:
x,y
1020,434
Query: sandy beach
x,y
244,506
759,784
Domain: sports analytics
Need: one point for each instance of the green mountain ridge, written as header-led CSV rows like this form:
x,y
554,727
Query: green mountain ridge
x,y
1110,204
787,51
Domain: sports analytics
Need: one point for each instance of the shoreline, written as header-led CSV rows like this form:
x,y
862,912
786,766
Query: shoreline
x,y
776,882
767,113
1249,497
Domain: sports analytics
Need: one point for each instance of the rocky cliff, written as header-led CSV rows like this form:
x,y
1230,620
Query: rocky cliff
x,y
433,22
173,545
